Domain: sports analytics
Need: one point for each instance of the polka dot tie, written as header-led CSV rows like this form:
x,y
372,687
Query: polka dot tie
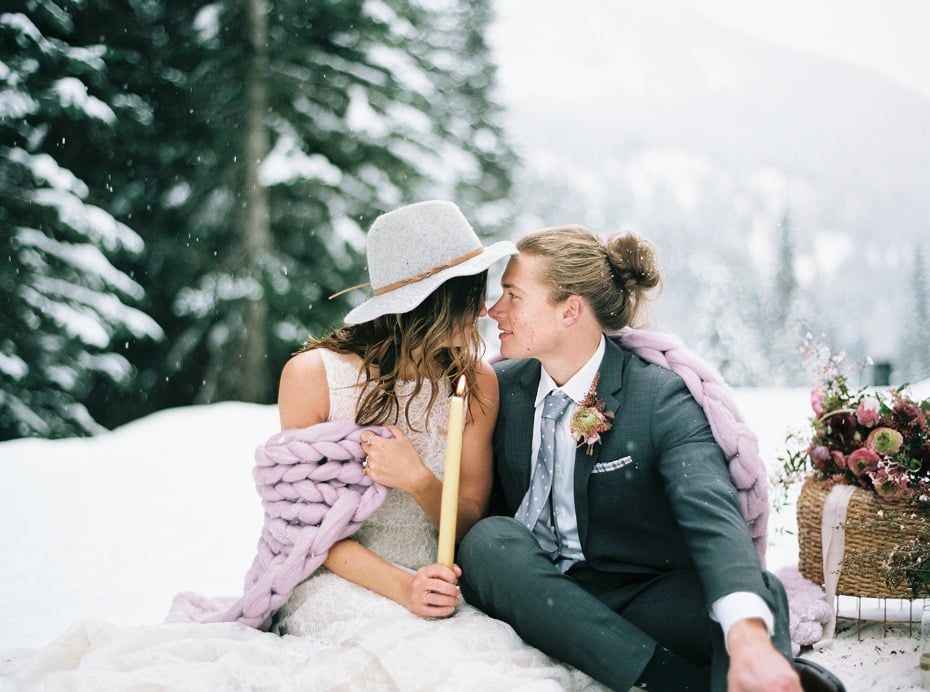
x,y
541,484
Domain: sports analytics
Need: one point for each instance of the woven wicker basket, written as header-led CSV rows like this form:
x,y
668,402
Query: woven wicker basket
x,y
873,530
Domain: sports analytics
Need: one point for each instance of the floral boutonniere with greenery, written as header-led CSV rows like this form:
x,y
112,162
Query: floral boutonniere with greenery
x,y
590,420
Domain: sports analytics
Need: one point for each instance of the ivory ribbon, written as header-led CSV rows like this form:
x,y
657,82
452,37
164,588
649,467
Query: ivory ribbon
x,y
833,541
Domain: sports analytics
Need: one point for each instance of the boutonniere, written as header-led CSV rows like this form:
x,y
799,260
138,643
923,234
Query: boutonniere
x,y
590,420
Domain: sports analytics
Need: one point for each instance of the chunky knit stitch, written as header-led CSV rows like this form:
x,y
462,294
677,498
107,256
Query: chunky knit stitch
x,y
315,493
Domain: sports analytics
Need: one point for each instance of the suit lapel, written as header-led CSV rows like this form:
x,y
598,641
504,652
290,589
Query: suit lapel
x,y
608,390
518,442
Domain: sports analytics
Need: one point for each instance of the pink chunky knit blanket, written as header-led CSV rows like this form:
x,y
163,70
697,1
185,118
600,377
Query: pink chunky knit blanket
x,y
738,442
314,492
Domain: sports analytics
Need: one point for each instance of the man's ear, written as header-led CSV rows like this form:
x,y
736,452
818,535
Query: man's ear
x,y
573,309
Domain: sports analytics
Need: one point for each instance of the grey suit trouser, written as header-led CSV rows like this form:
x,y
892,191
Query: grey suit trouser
x,y
605,624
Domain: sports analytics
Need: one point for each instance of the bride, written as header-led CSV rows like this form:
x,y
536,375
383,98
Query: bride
x,y
380,614
395,360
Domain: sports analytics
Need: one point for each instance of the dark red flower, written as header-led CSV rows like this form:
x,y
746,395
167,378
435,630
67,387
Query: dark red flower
x,y
841,428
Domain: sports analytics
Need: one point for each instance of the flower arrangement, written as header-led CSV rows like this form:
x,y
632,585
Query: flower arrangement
x,y
590,420
878,441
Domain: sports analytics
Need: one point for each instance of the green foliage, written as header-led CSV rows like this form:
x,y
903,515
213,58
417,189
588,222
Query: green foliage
x,y
367,106
68,309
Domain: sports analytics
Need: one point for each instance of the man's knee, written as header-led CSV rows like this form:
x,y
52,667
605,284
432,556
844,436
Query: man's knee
x,y
488,536
481,555
493,548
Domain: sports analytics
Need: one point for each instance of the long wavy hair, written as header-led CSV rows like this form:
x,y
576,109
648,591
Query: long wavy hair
x,y
392,346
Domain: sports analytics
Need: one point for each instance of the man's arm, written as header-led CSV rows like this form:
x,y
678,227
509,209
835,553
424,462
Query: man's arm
x,y
703,498
701,494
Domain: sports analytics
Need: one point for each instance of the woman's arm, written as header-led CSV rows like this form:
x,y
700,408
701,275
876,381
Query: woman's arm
x,y
430,592
395,463
303,392
303,400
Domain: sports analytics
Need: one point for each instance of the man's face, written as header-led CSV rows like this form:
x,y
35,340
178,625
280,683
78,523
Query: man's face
x,y
530,327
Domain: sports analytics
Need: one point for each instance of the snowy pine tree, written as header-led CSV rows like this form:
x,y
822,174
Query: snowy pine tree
x,y
783,325
786,285
252,215
727,313
915,347
367,106
67,309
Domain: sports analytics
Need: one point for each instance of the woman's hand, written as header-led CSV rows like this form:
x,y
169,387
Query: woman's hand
x,y
393,462
434,591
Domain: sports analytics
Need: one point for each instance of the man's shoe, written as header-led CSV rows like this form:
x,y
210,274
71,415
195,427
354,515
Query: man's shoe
x,y
816,678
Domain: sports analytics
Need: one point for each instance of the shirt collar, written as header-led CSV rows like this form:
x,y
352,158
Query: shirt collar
x,y
579,384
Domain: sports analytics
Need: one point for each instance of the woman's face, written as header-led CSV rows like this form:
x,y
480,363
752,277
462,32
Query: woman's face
x,y
528,323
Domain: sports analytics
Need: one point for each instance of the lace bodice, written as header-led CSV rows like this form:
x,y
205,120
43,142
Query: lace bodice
x,y
399,531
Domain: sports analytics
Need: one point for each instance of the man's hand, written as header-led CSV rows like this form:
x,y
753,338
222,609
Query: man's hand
x,y
755,664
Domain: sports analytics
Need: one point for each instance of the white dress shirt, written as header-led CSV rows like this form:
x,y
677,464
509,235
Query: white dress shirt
x,y
563,478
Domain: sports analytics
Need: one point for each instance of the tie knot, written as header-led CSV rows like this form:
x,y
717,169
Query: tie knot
x,y
555,404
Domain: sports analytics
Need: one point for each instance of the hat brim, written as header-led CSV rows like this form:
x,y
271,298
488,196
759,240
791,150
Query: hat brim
x,y
407,297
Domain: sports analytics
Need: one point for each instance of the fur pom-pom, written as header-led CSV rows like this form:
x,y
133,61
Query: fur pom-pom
x,y
808,608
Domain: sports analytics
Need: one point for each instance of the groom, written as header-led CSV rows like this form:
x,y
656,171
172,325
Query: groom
x,y
628,558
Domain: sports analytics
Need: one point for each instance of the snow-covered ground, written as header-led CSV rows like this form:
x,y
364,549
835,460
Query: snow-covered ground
x,y
110,528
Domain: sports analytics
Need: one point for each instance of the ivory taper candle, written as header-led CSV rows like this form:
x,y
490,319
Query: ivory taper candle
x,y
448,514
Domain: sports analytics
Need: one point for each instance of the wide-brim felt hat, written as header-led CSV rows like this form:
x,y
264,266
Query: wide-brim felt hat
x,y
414,249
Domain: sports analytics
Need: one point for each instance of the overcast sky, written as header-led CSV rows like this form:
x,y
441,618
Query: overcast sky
x,y
887,36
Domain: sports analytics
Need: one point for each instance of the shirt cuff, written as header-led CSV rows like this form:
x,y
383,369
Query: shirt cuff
x,y
741,605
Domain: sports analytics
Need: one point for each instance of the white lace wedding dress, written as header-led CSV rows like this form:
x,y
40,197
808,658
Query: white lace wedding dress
x,y
336,635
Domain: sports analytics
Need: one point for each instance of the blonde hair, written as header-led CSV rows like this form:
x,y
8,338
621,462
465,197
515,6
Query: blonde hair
x,y
386,346
614,275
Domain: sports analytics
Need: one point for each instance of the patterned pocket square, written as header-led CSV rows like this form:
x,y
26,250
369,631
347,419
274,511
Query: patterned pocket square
x,y
605,466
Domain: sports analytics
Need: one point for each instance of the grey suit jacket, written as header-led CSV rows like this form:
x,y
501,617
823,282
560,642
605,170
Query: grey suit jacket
x,y
655,495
